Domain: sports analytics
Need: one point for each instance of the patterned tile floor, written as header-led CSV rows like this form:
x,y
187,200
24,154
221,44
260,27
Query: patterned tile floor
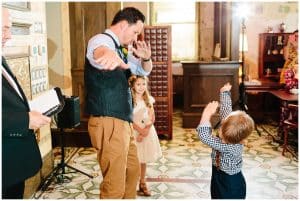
x,y
184,171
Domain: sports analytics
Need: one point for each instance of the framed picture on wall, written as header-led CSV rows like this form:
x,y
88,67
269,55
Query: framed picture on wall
x,y
23,6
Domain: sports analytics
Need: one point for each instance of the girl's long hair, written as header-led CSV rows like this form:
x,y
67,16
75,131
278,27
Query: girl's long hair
x,y
146,94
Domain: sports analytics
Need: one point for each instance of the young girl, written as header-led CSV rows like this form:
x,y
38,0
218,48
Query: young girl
x,y
148,147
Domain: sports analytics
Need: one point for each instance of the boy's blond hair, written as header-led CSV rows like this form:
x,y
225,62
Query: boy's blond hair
x,y
237,127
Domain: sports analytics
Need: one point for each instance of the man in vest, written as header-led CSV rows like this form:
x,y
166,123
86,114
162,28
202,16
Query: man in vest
x,y
109,101
21,156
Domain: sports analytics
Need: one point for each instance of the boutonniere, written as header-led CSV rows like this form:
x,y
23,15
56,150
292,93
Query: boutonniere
x,y
124,51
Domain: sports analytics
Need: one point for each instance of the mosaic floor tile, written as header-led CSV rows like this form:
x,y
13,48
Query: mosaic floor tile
x,y
184,171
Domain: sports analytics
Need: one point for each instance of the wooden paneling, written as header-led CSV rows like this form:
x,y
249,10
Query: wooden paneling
x,y
79,90
222,33
178,91
86,20
202,83
111,10
227,29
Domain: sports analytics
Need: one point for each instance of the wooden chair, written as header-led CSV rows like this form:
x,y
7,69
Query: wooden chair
x,y
291,123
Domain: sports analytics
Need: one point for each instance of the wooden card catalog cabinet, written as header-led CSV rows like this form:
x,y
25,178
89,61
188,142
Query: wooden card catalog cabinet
x,y
160,79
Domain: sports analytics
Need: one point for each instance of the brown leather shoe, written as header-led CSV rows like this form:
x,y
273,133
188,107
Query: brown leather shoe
x,y
143,191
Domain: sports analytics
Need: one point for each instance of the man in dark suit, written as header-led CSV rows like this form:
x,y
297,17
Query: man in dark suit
x,y
21,156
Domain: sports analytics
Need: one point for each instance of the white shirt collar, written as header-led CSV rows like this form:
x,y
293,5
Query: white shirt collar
x,y
110,32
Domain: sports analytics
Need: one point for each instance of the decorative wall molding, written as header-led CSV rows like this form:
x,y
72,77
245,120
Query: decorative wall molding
x,y
20,28
20,68
15,51
22,6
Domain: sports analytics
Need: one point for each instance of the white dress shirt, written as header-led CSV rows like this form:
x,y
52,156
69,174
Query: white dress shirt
x,y
11,81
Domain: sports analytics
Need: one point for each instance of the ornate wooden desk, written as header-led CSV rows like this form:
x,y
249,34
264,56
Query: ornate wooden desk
x,y
285,98
261,104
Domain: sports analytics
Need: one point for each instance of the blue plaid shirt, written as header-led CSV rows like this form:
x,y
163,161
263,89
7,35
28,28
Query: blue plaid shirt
x,y
230,154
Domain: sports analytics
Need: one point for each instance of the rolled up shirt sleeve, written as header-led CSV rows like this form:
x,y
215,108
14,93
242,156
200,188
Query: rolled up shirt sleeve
x,y
95,42
135,66
99,40
226,104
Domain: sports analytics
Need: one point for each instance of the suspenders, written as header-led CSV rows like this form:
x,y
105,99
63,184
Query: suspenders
x,y
119,49
218,160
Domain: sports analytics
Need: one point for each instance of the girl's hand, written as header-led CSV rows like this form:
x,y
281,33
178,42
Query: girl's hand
x,y
139,138
145,131
226,87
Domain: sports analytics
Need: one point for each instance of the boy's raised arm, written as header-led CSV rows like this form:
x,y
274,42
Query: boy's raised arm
x,y
209,110
225,101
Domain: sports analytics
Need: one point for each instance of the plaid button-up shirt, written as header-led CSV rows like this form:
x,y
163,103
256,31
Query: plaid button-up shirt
x,y
230,154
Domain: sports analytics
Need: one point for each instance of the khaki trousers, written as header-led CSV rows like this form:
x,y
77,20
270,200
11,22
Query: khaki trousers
x,y
117,155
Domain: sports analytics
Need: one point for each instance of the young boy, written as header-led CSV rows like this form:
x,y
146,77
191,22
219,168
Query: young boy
x,y
227,181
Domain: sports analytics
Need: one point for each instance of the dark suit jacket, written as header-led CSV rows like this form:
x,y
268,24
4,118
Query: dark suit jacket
x,y
21,156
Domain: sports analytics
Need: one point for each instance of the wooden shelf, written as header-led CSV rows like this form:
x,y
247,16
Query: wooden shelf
x,y
272,62
272,76
273,58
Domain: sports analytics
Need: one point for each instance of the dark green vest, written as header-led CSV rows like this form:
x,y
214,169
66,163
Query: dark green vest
x,y
107,92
